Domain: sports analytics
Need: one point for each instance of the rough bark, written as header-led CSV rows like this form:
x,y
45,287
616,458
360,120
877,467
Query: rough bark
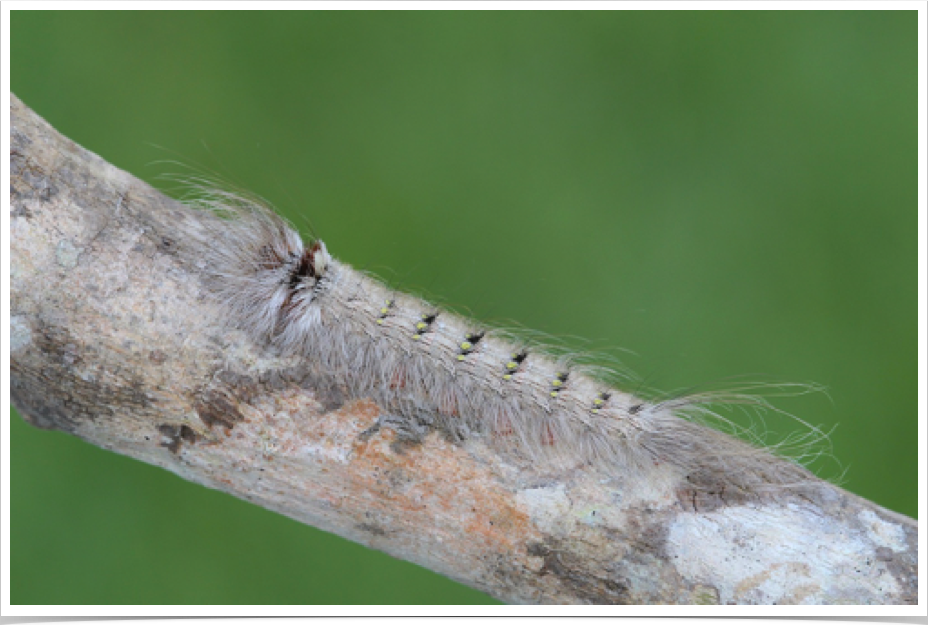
x,y
113,341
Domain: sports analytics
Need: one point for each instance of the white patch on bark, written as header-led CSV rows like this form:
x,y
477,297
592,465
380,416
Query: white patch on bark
x,y
548,508
20,333
881,532
777,555
66,253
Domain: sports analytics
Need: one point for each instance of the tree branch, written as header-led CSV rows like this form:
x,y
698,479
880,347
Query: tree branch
x,y
113,341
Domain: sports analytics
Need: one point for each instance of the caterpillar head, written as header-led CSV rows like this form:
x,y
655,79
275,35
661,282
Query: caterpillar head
x,y
310,267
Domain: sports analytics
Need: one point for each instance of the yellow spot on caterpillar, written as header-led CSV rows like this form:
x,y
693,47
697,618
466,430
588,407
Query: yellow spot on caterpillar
x,y
556,382
507,376
421,326
380,322
511,365
553,393
466,345
384,310
460,357
598,402
416,337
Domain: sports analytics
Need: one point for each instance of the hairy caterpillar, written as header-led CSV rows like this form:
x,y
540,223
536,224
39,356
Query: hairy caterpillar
x,y
430,367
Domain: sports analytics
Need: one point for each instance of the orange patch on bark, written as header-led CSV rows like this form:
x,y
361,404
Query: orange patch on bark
x,y
436,479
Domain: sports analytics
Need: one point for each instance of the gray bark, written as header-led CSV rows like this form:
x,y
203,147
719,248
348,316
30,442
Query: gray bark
x,y
113,341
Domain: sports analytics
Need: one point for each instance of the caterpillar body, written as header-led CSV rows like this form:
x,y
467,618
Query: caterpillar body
x,y
424,364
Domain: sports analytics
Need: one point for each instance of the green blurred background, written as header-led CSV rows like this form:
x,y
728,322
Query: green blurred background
x,y
721,193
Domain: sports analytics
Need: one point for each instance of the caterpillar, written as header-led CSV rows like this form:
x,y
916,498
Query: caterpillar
x,y
428,366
